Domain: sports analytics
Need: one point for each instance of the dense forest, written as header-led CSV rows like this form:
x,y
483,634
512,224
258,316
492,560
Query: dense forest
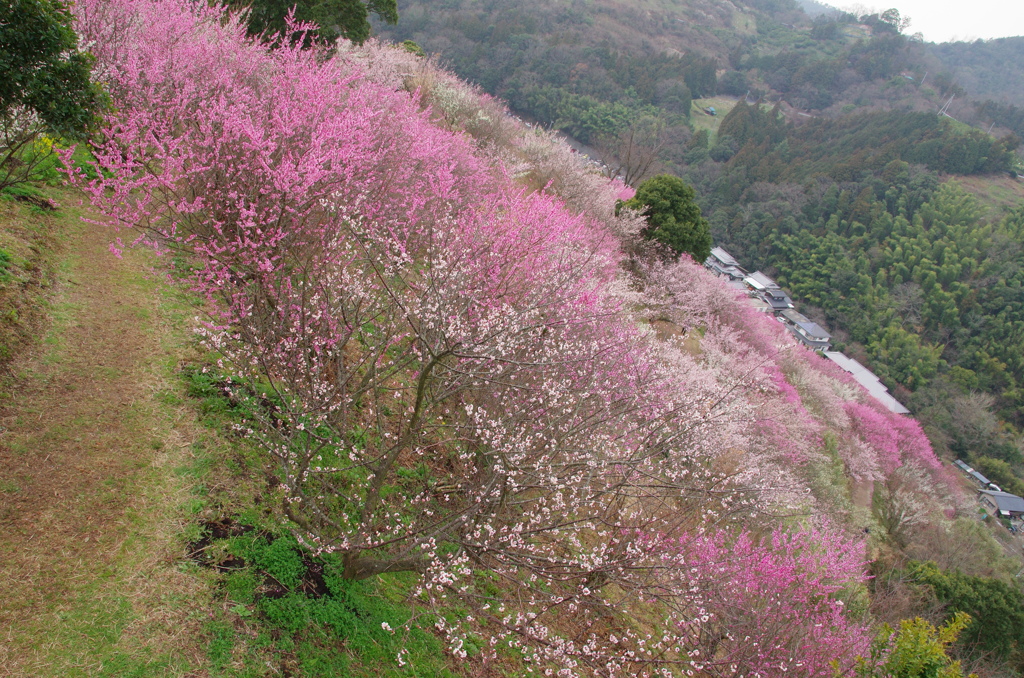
x,y
854,219
585,68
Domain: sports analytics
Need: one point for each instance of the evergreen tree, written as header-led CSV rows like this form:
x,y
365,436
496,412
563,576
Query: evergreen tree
x,y
336,18
41,69
673,216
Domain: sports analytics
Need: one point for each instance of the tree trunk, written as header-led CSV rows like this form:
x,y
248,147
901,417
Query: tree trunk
x,y
363,568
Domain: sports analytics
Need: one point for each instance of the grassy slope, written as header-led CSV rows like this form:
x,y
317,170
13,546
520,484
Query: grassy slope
x,y
996,193
115,460
91,510
701,120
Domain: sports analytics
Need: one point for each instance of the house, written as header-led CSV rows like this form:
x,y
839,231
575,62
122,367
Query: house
x,y
1002,504
812,334
759,282
868,380
777,299
723,263
737,285
793,316
976,476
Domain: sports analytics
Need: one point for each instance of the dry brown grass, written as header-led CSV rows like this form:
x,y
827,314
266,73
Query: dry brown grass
x,y
29,237
996,193
90,511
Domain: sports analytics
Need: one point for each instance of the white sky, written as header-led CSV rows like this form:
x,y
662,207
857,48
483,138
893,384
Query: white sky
x,y
949,20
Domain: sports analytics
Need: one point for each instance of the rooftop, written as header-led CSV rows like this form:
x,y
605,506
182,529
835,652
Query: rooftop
x,y
794,316
721,269
1006,502
813,330
778,299
977,476
759,281
724,257
868,380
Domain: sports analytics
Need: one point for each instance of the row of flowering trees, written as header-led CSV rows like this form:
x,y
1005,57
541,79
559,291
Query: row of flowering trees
x,y
452,373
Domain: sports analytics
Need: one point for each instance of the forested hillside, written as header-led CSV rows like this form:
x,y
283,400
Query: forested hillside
x,y
462,417
582,66
822,164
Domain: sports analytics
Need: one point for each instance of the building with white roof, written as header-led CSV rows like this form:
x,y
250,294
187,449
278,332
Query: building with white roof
x,y
760,282
723,263
868,380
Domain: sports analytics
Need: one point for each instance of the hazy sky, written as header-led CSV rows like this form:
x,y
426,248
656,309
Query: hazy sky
x,y
946,20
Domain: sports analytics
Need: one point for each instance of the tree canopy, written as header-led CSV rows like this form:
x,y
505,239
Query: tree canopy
x,y
41,68
673,216
336,18
996,609
916,650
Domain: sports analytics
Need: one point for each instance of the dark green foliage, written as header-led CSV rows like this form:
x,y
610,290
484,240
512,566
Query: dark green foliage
x,y
996,608
1004,115
411,46
328,625
734,83
825,28
44,88
987,69
700,77
280,559
550,62
848,149
41,68
336,18
673,217
754,124
929,294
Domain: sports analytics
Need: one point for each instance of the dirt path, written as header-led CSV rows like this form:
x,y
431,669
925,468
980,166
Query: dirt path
x,y
91,579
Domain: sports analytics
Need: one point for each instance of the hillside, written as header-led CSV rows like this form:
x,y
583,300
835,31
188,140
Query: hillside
x,y
441,408
985,69
652,54
847,108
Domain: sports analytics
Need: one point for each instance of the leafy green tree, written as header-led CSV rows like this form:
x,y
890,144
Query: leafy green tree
x,y
41,68
44,84
734,83
996,609
336,18
916,650
673,217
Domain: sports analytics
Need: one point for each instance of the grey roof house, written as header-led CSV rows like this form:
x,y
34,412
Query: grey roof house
x,y
1002,503
777,299
793,316
868,380
723,263
812,334
760,282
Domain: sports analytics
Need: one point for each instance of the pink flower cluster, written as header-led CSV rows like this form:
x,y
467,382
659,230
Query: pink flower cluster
x,y
772,605
453,376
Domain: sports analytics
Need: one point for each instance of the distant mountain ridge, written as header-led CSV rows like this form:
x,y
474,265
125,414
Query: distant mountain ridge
x,y
811,55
